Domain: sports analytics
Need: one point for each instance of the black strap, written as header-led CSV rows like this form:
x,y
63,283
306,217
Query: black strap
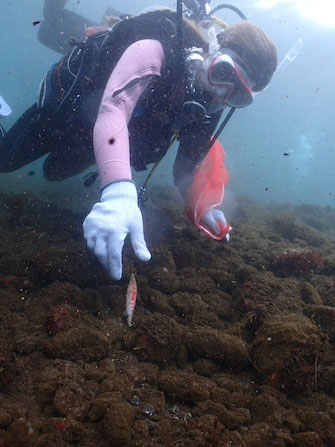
x,y
221,127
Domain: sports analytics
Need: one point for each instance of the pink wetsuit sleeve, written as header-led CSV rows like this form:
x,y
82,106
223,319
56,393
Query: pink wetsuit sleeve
x,y
141,60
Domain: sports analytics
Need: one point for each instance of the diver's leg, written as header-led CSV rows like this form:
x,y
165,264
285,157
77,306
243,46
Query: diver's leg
x,y
25,142
60,26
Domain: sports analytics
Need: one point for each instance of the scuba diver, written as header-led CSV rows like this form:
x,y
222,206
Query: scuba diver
x,y
122,95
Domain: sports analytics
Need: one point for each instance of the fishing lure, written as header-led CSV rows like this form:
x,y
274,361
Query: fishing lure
x,y
131,299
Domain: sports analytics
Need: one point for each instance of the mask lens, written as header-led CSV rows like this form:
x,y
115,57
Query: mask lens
x,y
221,73
240,96
225,73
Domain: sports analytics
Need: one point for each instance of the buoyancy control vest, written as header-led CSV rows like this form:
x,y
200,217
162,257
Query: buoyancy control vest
x,y
73,88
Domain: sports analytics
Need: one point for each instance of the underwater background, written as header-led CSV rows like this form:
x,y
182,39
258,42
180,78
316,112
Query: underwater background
x,y
293,117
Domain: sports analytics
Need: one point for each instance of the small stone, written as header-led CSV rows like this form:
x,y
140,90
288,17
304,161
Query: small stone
x,y
148,410
174,410
186,416
135,401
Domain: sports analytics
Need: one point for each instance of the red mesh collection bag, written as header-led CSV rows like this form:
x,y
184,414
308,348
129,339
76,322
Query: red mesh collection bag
x,y
207,190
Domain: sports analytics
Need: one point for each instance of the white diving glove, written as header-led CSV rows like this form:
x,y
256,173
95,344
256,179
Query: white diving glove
x,y
110,221
211,217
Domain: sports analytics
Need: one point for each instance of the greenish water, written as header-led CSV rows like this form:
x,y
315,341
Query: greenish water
x,y
294,116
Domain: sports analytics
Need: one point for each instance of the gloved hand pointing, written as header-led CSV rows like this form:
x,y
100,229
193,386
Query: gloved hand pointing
x,y
109,222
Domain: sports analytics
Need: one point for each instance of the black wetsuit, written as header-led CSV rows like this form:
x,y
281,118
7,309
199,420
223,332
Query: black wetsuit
x,y
63,128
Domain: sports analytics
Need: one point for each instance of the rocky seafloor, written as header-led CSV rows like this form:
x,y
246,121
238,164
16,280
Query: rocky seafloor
x,y
232,343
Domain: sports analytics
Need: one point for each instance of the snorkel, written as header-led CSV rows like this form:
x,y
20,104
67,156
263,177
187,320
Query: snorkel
x,y
289,57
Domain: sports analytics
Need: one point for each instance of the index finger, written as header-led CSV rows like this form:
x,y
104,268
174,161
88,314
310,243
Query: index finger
x,y
114,249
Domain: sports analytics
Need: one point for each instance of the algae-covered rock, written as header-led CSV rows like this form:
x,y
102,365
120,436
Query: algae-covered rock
x,y
78,343
162,279
286,349
324,317
185,386
308,439
117,422
158,339
7,346
228,350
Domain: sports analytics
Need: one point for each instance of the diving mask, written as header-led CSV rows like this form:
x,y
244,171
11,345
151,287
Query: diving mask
x,y
229,80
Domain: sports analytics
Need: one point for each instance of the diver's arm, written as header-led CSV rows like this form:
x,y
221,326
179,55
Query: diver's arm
x,y
194,140
201,199
60,26
118,214
131,76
